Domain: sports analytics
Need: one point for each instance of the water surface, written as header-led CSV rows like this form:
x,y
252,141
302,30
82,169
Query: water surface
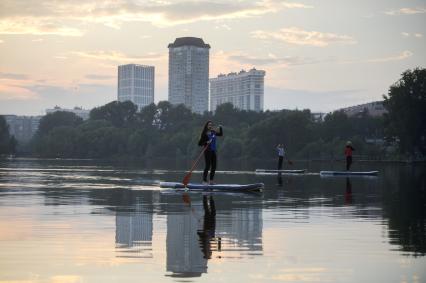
x,y
81,221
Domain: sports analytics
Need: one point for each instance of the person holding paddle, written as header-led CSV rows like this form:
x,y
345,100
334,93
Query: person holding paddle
x,y
348,153
280,149
208,140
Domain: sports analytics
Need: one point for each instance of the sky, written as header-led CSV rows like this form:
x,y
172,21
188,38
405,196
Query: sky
x,y
322,55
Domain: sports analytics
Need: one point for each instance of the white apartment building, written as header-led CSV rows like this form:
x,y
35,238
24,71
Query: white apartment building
x,y
79,111
189,73
374,109
245,90
136,84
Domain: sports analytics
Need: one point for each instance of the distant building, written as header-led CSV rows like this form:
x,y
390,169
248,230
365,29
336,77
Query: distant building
x,y
184,255
318,116
245,90
189,73
374,109
187,248
133,232
83,113
22,128
136,84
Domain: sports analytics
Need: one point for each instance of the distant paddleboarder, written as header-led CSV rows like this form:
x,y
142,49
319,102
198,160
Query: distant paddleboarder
x,y
208,139
281,152
348,153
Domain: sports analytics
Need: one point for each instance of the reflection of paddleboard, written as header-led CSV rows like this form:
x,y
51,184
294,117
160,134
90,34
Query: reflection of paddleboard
x,y
348,173
218,187
299,171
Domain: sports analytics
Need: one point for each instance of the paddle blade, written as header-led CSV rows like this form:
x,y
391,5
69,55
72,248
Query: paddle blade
x,y
186,179
186,199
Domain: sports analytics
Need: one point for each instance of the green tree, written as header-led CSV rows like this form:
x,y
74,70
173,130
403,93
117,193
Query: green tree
x,y
336,124
146,117
406,105
120,114
292,128
57,119
7,142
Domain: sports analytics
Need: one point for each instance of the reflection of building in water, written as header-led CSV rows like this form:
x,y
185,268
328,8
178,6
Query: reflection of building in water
x,y
239,228
134,233
184,256
244,226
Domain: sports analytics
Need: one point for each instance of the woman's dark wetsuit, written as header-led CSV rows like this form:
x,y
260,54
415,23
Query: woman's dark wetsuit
x,y
208,139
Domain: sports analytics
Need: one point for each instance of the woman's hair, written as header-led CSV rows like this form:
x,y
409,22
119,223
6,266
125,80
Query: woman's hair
x,y
205,127
203,136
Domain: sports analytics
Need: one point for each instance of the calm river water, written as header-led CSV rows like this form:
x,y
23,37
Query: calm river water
x,y
78,221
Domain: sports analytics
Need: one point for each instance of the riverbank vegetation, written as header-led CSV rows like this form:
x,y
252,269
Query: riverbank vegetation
x,y
118,130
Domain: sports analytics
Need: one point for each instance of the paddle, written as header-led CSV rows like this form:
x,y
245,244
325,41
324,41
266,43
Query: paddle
x,y
188,176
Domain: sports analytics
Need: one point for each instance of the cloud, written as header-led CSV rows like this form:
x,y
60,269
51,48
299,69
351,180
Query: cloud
x,y
117,56
98,77
406,11
66,18
36,26
323,101
298,36
407,34
403,55
14,92
398,57
271,59
13,76
66,279
223,26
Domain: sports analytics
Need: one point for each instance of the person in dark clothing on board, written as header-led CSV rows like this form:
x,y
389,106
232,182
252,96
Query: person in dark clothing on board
x,y
348,153
208,139
281,152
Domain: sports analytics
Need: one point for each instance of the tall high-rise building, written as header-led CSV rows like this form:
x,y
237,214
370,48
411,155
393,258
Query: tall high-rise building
x,y
245,90
189,73
136,83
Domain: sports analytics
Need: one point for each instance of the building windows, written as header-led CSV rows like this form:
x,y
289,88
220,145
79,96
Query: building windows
x,y
238,89
136,83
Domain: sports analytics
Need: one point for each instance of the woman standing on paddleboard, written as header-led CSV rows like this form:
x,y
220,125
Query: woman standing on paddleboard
x,y
280,149
208,139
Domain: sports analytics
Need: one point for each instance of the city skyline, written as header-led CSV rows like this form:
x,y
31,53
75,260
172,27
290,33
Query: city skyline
x,y
322,56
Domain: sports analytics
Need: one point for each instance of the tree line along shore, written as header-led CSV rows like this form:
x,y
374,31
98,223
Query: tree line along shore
x,y
118,130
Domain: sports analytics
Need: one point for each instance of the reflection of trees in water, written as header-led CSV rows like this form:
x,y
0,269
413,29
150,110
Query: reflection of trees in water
x,y
405,208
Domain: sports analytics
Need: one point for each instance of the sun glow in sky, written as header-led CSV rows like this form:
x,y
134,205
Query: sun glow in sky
x,y
321,55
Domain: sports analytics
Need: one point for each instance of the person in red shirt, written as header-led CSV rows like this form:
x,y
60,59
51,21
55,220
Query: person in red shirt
x,y
348,153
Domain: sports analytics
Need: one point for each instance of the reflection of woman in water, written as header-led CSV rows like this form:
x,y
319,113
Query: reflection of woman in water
x,y
348,193
209,227
280,179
